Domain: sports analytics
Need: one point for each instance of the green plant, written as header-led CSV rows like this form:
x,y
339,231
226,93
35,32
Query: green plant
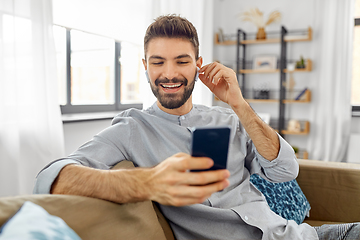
x,y
300,63
296,149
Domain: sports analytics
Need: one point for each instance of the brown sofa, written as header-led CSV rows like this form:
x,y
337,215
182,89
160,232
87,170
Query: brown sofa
x,y
333,190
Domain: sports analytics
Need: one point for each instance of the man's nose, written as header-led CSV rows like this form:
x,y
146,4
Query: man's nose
x,y
170,72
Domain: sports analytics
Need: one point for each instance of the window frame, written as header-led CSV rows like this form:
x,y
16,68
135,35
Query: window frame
x,y
356,109
69,108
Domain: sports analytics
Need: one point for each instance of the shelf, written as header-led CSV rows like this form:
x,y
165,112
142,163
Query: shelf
x,y
248,71
306,98
263,41
288,38
224,43
274,97
308,67
302,154
304,128
262,100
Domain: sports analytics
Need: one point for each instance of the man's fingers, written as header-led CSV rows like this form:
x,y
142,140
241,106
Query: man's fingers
x,y
187,195
186,162
206,177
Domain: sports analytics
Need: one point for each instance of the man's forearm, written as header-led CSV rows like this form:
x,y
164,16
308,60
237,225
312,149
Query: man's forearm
x,y
168,183
263,136
110,185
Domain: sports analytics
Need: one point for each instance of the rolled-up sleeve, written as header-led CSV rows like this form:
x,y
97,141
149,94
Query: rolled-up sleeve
x,y
47,176
283,168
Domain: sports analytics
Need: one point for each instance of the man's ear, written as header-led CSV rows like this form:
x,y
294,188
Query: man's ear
x,y
144,63
199,62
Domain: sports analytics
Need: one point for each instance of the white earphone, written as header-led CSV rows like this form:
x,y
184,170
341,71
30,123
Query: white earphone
x,y
147,76
197,74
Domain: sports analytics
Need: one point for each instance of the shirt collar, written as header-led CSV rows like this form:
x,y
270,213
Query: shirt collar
x,y
173,118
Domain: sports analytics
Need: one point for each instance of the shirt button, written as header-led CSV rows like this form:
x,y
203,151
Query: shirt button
x,y
246,218
182,117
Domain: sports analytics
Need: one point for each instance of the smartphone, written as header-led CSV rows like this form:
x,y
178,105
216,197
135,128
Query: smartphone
x,y
212,142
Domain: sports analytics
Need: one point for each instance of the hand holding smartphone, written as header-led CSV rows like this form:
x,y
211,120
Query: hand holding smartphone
x,y
212,142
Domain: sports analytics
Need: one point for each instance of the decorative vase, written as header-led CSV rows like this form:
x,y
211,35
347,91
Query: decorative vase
x,y
261,34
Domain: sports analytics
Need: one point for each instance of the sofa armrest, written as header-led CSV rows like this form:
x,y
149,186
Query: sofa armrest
x,y
332,188
94,219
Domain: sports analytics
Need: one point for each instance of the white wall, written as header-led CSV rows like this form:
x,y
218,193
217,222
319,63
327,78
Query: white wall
x,y
77,133
355,125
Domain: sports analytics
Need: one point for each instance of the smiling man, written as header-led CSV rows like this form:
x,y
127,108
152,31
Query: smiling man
x,y
220,204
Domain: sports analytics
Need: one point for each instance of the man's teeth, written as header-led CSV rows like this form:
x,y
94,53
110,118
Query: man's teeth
x,y
171,85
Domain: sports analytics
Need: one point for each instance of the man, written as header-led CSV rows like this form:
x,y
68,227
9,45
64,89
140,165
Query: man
x,y
220,204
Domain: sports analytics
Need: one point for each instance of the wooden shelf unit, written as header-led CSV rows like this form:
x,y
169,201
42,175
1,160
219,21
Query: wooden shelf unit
x,y
281,96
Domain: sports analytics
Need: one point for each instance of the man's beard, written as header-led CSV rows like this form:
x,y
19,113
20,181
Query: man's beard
x,y
172,100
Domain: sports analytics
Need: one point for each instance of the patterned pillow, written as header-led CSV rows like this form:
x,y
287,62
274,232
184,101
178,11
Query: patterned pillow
x,y
285,199
33,222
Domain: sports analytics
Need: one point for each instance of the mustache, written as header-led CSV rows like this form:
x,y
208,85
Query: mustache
x,y
174,80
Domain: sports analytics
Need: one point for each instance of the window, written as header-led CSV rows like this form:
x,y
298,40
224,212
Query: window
x,y
355,87
96,73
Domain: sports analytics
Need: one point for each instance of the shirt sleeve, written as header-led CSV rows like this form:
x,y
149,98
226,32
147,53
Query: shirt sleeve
x,y
283,168
47,176
105,150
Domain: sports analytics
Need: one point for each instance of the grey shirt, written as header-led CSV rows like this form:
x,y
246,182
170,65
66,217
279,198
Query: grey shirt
x,y
147,137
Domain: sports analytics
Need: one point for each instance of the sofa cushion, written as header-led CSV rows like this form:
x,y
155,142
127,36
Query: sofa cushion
x,y
285,199
33,222
93,218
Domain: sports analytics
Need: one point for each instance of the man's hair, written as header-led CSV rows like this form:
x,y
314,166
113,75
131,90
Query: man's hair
x,y
172,26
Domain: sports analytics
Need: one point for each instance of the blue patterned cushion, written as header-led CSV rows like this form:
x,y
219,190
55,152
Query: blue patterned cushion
x,y
33,222
285,199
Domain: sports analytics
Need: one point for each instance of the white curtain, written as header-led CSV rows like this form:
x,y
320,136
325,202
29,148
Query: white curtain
x,y
333,36
200,14
31,132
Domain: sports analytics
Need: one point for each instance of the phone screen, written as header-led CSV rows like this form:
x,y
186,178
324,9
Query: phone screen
x,y
212,142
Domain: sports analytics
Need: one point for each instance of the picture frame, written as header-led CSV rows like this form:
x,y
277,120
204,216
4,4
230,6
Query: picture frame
x,y
265,62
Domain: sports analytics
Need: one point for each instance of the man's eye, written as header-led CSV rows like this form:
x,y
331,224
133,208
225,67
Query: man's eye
x,y
183,62
157,63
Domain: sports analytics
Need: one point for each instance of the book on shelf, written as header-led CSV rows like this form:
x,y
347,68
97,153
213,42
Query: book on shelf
x,y
301,94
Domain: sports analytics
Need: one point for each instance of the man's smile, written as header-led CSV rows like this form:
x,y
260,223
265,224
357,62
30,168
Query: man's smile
x,y
171,87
